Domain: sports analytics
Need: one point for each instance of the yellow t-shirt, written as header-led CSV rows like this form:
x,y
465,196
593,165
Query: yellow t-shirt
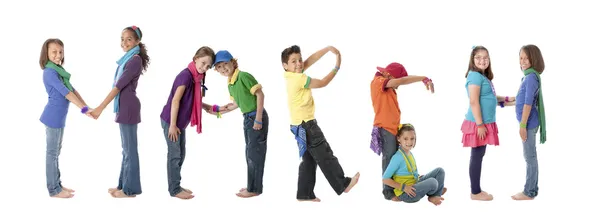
x,y
300,99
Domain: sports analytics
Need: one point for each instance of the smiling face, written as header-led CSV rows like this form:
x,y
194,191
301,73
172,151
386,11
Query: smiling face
x,y
55,53
481,59
129,40
203,63
524,61
225,68
407,140
294,63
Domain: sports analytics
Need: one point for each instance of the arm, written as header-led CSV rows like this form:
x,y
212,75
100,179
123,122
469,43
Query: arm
x,y
260,100
111,96
132,69
393,83
319,83
315,57
474,91
51,78
389,172
79,97
175,104
531,86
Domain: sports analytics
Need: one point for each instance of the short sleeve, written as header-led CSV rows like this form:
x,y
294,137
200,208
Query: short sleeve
x,y
379,83
249,82
475,78
52,79
132,69
184,78
304,80
393,166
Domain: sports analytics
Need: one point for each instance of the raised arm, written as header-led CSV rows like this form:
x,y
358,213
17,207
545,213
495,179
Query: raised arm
x,y
394,83
319,83
315,57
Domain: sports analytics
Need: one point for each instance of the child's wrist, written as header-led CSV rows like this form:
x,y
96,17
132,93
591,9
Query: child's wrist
x,y
84,109
426,80
523,125
501,103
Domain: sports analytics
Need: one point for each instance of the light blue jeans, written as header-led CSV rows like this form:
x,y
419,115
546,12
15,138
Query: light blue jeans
x,y
54,137
129,179
432,184
530,155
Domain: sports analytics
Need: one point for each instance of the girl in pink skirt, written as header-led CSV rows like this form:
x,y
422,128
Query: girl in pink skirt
x,y
479,127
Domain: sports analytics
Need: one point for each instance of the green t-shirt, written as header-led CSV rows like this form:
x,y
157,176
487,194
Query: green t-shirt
x,y
242,88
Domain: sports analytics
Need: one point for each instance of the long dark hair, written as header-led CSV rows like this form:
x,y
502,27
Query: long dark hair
x,y
143,52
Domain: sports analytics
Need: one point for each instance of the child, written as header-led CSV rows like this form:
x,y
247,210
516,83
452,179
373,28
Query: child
x,y
304,126
479,127
387,111
246,93
60,94
127,109
403,176
184,105
531,115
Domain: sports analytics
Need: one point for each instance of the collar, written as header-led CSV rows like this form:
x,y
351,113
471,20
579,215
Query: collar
x,y
234,76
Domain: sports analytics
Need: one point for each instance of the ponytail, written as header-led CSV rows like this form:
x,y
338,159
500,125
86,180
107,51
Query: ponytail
x,y
144,54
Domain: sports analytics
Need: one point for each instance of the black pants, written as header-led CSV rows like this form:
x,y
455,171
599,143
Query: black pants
x,y
390,146
477,154
318,152
256,150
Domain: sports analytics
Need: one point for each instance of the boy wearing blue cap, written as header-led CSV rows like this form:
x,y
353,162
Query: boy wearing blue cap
x,y
247,95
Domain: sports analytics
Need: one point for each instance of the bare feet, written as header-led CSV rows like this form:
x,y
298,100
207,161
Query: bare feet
x,y
316,199
120,194
483,196
436,200
184,195
444,190
187,190
245,194
63,194
396,199
352,182
68,189
112,190
521,196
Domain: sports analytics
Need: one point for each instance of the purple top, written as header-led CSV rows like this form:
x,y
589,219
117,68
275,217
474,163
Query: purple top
x,y
55,111
185,106
129,109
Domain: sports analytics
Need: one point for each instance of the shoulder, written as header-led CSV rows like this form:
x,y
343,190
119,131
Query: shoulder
x,y
474,74
244,74
135,60
184,75
49,72
531,77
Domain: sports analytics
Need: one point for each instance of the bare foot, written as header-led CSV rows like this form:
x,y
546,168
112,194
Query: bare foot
x,y
242,189
444,190
352,182
187,190
436,200
246,194
120,194
396,199
112,190
63,194
68,189
184,195
316,199
521,196
483,196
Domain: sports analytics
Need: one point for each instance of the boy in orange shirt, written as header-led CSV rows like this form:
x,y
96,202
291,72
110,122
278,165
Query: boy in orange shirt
x,y
387,112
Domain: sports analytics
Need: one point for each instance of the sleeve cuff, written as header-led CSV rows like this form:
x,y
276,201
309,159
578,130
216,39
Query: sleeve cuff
x,y
255,88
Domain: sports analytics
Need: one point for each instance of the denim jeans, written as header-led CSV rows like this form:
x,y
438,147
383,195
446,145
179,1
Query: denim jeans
x,y
530,154
129,178
432,184
54,137
319,153
390,146
175,157
256,150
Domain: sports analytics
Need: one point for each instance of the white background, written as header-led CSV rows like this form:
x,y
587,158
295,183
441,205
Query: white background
x,y
430,38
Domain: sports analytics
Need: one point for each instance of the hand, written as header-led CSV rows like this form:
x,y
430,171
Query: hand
x,y
89,112
510,103
481,132
257,126
174,133
429,86
410,190
523,133
96,113
511,99
206,108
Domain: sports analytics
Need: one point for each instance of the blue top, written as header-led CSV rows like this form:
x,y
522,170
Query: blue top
x,y
398,166
528,92
55,112
487,97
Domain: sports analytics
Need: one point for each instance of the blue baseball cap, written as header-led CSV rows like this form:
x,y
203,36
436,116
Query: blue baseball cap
x,y
222,56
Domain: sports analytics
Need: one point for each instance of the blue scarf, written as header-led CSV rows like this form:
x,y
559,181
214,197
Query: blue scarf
x,y
121,62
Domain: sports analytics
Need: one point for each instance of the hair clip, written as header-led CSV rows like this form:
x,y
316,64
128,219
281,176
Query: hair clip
x,y
474,46
134,27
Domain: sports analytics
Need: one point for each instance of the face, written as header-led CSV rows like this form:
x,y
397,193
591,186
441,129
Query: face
x,y
225,68
481,59
128,40
525,64
294,63
407,140
203,63
55,53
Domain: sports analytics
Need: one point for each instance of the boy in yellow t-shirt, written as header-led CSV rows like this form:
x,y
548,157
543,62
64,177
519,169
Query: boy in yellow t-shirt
x,y
314,148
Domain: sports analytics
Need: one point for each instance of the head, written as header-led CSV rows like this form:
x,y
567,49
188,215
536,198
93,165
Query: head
x,y
52,50
225,64
204,58
530,56
131,37
480,62
393,70
291,58
406,137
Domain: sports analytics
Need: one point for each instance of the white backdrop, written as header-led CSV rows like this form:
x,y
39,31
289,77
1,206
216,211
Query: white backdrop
x,y
432,39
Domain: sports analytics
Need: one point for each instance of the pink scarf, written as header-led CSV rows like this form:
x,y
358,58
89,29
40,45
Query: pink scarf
x,y
196,119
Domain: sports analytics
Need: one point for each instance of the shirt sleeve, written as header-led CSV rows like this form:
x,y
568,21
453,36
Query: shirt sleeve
x,y
250,82
304,80
475,79
52,79
380,83
393,166
133,69
531,87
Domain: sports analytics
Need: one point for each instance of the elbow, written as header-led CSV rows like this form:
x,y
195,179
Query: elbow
x,y
473,102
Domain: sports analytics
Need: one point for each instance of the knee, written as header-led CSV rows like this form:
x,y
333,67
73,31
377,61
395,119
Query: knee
x,y
432,183
440,170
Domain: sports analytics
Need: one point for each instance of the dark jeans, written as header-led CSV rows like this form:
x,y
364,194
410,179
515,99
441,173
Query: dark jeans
x,y
256,150
477,154
318,153
390,146
129,180
175,157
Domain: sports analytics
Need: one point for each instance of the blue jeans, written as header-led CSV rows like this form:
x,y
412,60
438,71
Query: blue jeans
x,y
129,179
54,137
530,154
432,184
256,150
175,157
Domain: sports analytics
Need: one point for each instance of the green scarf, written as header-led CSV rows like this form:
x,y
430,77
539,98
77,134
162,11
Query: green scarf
x,y
64,75
540,102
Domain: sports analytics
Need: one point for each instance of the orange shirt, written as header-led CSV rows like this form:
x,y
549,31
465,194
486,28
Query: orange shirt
x,y
385,105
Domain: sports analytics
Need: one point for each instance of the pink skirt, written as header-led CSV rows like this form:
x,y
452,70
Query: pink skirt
x,y
470,138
